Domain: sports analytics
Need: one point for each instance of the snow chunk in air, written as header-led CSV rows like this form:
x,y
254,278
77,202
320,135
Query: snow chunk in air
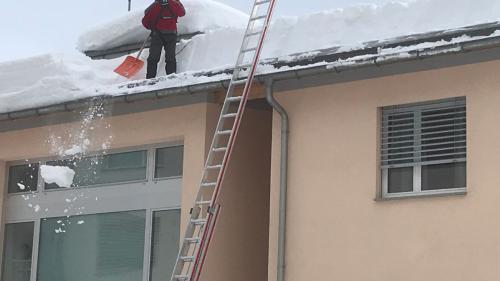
x,y
60,175
201,16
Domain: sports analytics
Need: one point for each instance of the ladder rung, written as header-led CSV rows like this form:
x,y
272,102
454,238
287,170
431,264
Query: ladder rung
x,y
214,167
208,184
219,149
239,82
187,258
199,221
258,18
181,277
237,98
253,34
203,202
262,2
230,115
226,132
192,240
249,50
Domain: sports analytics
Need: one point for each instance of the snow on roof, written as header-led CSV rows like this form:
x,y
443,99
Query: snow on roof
x,y
53,79
202,15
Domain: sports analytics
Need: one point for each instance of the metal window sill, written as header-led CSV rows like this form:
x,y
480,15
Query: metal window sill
x,y
458,192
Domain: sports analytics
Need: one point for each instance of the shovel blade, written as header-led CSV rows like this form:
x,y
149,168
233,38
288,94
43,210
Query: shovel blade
x,y
129,67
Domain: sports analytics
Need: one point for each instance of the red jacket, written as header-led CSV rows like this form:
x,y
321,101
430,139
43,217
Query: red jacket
x,y
168,19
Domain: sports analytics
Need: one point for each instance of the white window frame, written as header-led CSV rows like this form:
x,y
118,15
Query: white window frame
x,y
158,194
417,167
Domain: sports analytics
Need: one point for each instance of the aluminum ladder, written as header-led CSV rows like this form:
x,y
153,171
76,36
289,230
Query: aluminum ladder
x,y
204,213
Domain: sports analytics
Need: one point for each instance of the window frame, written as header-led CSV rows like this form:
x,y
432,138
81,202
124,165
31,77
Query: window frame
x,y
417,167
7,176
150,162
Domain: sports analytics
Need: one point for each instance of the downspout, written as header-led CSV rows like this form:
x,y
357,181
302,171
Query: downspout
x,y
283,178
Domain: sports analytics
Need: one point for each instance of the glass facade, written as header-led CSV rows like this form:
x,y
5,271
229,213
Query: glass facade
x,y
23,178
169,162
102,247
18,247
105,169
164,244
108,242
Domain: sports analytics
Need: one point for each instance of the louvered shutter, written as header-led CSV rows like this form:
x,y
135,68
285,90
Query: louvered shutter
x,y
424,134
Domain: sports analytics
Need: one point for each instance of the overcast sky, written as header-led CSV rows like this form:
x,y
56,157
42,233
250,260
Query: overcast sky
x,y
31,28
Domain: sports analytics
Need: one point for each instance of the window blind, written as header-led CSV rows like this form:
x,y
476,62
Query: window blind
x,y
424,134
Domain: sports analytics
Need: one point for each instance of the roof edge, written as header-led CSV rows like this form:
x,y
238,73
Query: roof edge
x,y
291,74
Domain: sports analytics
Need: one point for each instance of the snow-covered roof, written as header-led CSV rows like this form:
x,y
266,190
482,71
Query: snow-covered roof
x,y
203,15
330,39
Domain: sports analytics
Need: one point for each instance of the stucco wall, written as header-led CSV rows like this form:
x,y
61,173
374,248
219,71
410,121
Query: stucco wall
x,y
240,246
337,231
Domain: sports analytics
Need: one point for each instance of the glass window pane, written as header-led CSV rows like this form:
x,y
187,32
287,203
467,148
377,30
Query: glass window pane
x,y
105,169
444,176
102,247
169,161
23,178
18,246
400,180
164,244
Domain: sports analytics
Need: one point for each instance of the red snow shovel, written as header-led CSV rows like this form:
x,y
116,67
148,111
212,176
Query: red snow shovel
x,y
131,65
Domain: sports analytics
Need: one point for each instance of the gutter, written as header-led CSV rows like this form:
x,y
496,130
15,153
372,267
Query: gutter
x,y
283,178
292,74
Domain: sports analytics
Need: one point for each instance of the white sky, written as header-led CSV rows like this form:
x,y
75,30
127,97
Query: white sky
x,y
29,28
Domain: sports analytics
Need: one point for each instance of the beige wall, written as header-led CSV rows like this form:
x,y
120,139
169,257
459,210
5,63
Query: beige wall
x,y
240,247
337,231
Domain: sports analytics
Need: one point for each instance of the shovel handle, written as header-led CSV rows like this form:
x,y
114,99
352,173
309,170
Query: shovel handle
x,y
143,46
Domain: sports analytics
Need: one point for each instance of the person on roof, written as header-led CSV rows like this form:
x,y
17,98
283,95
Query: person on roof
x,y
161,18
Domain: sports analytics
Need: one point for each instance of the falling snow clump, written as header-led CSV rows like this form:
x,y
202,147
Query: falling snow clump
x,y
62,176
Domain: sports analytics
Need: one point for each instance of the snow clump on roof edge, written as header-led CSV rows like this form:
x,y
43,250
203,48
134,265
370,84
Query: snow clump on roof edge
x,y
202,15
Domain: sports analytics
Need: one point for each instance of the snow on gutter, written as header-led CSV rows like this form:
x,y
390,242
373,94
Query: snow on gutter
x,y
128,49
284,73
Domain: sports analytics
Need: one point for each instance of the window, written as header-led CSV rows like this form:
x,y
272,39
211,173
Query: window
x,y
102,247
102,233
23,178
18,246
164,243
169,162
424,148
105,169
109,169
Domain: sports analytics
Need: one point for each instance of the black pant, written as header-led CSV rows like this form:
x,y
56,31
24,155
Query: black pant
x,y
167,41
